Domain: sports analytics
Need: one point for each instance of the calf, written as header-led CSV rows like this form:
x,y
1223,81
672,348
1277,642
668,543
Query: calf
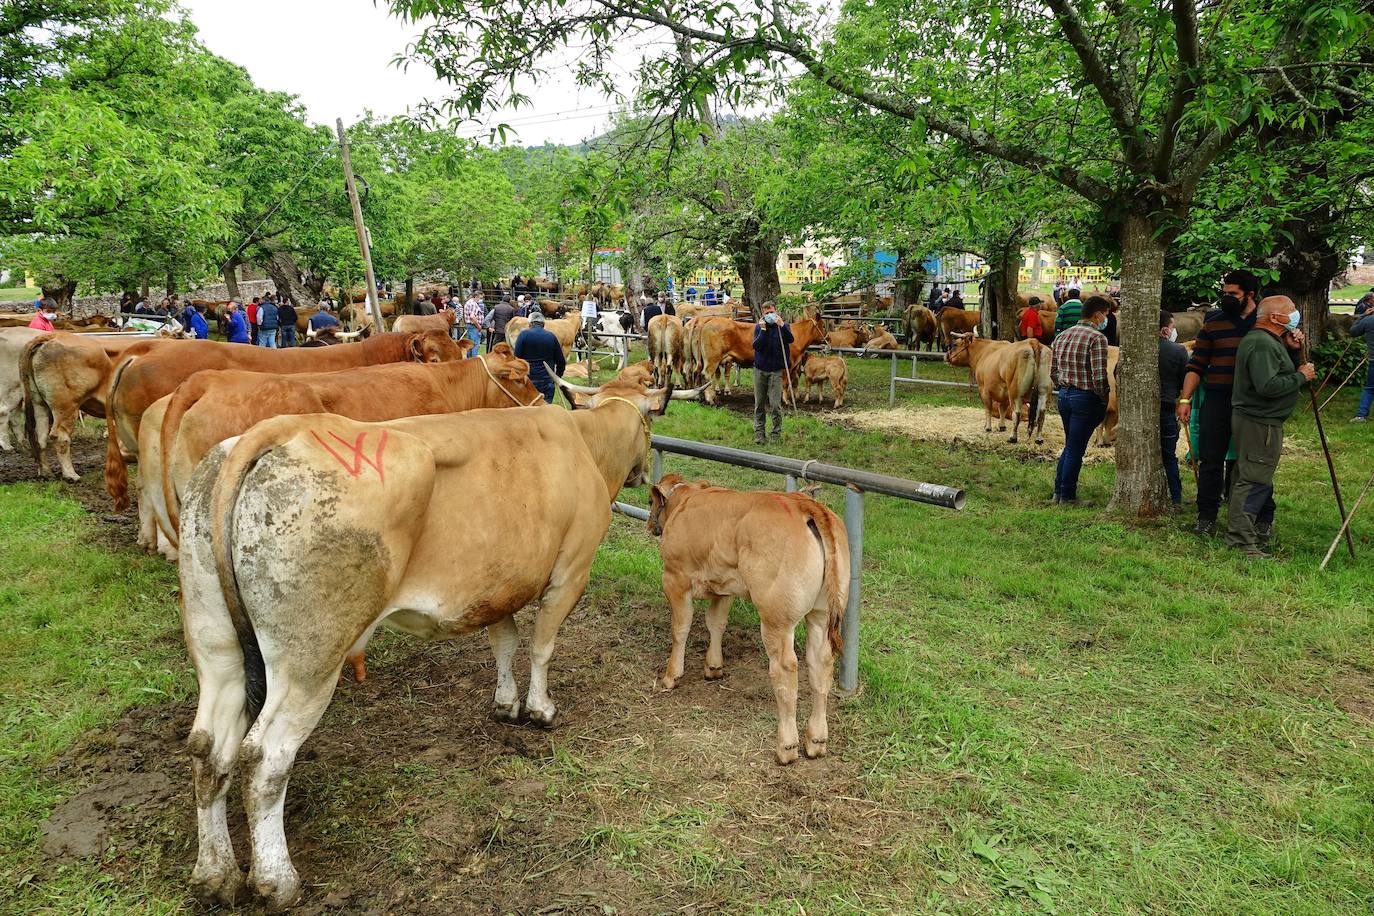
x,y
1008,374
817,370
881,338
785,552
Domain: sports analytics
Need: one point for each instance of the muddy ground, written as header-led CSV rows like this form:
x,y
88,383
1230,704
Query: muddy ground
x,y
409,799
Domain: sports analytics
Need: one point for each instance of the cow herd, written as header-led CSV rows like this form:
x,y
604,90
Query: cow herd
x,y
308,496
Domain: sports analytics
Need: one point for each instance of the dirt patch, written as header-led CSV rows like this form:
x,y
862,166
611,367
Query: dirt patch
x,y
1354,694
81,826
963,427
88,457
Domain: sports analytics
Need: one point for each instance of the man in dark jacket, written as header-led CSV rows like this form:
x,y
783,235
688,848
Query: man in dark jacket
x,y
199,327
1173,365
538,346
649,311
323,318
496,322
1263,396
267,319
238,327
772,337
1365,326
286,322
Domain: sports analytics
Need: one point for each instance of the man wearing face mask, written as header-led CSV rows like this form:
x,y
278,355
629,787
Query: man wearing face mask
x,y
772,337
42,321
1264,396
1212,367
1173,365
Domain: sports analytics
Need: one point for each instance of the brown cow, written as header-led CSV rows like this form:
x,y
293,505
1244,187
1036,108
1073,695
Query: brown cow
x,y
210,407
851,337
665,347
1106,431
414,324
918,326
724,340
956,321
1008,375
817,370
880,338
786,553
62,376
565,329
143,376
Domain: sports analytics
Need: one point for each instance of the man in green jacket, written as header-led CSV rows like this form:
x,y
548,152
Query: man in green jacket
x,y
1264,394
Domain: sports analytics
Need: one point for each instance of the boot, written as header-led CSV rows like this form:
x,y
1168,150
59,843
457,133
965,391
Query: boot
x,y
1205,527
1264,533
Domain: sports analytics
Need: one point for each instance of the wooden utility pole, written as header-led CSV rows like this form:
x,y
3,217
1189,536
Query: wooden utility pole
x,y
364,247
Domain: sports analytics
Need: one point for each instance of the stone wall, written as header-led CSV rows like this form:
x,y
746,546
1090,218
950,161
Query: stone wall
x,y
108,305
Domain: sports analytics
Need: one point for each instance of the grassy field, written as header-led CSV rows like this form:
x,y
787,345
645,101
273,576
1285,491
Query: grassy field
x,y
17,294
1061,712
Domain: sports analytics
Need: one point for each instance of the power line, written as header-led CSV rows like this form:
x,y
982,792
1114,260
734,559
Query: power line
x,y
319,156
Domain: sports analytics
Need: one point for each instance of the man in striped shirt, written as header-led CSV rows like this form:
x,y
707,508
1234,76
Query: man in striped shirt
x,y
1078,368
1070,312
1213,367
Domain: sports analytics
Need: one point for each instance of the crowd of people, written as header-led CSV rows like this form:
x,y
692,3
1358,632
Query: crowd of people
x,y
1234,393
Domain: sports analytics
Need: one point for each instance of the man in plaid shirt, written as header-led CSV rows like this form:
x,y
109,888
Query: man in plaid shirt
x,y
1079,371
474,314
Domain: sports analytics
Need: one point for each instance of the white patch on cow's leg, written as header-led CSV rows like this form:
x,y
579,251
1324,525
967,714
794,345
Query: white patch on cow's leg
x,y
678,591
147,526
554,607
504,639
820,669
289,716
166,547
7,415
62,444
782,671
717,613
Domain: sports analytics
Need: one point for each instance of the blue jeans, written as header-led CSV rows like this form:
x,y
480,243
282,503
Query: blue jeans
x,y
1367,396
288,336
1082,412
474,335
267,337
1168,450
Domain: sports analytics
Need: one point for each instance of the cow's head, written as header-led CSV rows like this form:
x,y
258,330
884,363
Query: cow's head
x,y
435,346
512,375
957,353
661,492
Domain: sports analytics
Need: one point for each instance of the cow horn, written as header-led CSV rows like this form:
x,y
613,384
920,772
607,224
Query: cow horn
x,y
579,389
689,394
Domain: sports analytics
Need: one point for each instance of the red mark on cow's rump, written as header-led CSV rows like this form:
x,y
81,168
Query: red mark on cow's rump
x,y
356,447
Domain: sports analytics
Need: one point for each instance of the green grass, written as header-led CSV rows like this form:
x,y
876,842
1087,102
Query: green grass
x,y
1062,711
18,294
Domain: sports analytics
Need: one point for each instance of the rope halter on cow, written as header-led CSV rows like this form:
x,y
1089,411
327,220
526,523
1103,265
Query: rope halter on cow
x,y
643,421
504,390
656,515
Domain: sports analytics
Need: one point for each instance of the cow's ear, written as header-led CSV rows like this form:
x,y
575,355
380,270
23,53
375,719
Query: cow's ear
x,y
415,351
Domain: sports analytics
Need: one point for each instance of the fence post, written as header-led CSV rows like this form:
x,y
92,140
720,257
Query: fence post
x,y
849,628
791,483
656,468
892,383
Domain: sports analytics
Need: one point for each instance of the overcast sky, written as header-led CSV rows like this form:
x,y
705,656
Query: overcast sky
x,y
336,56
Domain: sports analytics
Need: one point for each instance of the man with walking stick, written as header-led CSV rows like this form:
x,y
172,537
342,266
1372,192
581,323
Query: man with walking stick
x,y
1263,396
772,337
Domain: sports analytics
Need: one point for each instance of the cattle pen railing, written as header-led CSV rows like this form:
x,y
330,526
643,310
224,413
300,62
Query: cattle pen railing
x,y
894,355
856,484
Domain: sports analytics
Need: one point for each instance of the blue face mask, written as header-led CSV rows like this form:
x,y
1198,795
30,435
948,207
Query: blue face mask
x,y
1294,319
771,318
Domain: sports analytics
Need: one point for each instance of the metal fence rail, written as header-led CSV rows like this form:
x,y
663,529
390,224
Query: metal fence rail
x,y
893,378
856,484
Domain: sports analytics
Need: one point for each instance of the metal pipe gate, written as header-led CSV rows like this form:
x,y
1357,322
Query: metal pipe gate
x,y
856,484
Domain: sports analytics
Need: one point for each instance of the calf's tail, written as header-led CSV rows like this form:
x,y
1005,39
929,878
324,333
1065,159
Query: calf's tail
x,y
823,524
116,473
31,394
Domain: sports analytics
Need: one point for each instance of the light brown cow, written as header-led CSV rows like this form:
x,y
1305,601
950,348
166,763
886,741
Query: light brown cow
x,y
851,337
62,376
723,340
1106,430
269,625
918,326
12,344
414,324
689,310
1190,322
786,553
565,329
880,338
956,321
665,347
816,371
142,377
1008,375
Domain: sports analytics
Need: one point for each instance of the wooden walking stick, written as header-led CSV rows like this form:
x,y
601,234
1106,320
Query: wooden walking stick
x,y
1345,526
1358,367
1330,465
1326,381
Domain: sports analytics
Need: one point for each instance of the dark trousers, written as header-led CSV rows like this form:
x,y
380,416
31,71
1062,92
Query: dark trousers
x,y
1168,450
1213,442
767,401
1258,447
545,388
1082,412
288,336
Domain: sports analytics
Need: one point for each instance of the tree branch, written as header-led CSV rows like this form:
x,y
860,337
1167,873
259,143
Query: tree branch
x,y
1185,86
1112,94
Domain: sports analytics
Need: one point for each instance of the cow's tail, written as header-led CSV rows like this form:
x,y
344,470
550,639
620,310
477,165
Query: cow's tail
x,y
31,394
116,472
223,501
823,524
1027,375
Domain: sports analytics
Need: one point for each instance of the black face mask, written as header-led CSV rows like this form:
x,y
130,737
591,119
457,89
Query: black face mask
x,y
1230,306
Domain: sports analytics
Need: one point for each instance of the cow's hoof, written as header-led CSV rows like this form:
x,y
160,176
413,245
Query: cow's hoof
x,y
211,887
1012,439
787,755
542,717
506,712
71,478
667,682
278,893
714,674
815,747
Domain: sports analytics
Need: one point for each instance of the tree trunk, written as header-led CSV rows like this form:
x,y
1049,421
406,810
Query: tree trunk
x,y
408,303
1307,263
230,272
1006,272
61,294
143,286
171,284
1140,488
762,284
906,283
281,267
